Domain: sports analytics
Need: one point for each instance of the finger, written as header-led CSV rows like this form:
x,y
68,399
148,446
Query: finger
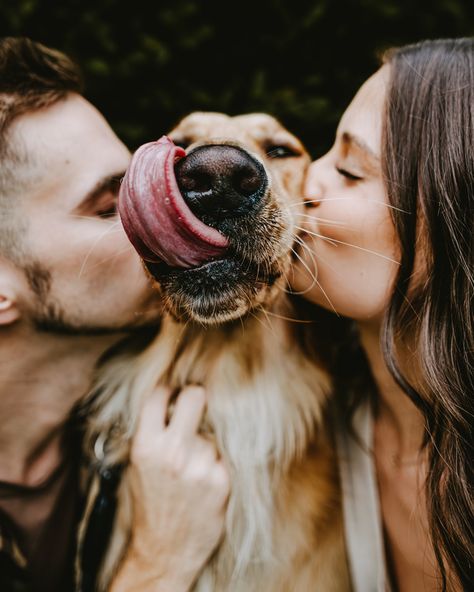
x,y
209,440
221,479
188,411
153,413
205,448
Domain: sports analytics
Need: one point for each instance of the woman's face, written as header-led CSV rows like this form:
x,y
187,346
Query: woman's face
x,y
349,258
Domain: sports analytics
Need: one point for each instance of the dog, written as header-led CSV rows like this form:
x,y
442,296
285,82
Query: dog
x,y
228,325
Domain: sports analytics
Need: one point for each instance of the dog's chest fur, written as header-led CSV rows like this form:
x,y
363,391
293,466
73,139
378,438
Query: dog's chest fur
x,y
283,529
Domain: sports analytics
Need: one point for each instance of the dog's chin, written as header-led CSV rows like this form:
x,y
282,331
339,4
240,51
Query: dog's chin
x,y
216,292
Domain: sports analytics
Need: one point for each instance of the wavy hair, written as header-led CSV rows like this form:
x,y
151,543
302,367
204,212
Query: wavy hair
x,y
428,166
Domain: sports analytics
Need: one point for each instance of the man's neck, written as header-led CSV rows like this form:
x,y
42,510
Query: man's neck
x,y
42,377
400,421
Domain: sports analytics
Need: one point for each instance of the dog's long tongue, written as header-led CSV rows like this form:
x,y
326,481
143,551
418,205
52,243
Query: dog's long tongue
x,y
155,216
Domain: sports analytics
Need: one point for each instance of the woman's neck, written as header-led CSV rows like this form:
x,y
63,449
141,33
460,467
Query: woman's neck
x,y
397,414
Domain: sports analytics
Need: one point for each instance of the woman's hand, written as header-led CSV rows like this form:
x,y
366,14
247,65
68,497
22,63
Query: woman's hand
x,y
179,489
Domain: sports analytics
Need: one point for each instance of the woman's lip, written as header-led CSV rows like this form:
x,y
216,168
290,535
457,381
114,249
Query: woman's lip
x,y
155,216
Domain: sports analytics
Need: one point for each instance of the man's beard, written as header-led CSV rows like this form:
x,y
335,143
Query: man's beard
x,y
52,319
50,316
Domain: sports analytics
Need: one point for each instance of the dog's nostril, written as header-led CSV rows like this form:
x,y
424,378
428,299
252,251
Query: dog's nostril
x,y
220,181
247,181
196,181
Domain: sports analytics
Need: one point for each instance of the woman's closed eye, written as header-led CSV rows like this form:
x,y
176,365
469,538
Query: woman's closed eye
x,y
348,174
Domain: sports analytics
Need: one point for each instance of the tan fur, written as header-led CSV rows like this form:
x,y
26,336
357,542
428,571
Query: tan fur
x,y
266,408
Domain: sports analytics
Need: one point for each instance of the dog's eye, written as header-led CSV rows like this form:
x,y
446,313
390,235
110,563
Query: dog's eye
x,y
281,152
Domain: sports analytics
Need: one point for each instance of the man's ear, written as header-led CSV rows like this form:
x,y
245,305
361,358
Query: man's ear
x,y
9,312
9,291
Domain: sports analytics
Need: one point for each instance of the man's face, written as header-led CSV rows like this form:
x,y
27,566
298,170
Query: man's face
x,y
83,274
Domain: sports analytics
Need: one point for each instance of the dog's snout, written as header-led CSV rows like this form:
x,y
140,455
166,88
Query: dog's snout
x,y
221,181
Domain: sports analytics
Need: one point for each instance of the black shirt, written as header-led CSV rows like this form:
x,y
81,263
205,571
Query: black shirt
x,y
41,558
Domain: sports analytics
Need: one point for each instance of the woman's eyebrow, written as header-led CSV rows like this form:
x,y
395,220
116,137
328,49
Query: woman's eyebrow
x,y
350,139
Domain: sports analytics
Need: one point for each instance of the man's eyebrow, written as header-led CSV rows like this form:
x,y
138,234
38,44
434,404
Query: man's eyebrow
x,y
108,183
349,138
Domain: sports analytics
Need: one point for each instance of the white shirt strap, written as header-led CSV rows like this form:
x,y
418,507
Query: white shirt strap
x,y
362,518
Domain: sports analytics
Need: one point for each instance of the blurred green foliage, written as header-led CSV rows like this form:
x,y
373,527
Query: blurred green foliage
x,y
147,64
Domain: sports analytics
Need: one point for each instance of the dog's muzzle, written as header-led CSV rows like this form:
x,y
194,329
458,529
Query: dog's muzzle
x,y
219,182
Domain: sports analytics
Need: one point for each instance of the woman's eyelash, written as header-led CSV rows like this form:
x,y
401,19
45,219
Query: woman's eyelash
x,y
348,175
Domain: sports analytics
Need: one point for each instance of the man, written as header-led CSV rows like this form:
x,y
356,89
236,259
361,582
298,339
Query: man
x,y
71,287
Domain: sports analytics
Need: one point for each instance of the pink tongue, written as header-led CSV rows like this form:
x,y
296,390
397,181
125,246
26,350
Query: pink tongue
x,y
155,216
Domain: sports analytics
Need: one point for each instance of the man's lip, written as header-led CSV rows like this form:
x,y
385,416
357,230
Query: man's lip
x,y
155,216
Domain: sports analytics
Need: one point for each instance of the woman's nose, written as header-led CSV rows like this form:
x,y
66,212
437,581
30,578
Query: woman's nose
x,y
313,189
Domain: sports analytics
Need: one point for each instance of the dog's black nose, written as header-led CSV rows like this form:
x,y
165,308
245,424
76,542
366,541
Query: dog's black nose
x,y
219,181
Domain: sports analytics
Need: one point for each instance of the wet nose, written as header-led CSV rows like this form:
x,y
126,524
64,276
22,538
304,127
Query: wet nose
x,y
219,181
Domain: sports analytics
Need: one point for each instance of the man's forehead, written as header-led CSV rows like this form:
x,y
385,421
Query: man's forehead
x,y
67,144
57,128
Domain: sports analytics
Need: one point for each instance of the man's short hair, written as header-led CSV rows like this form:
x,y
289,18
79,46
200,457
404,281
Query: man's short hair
x,y
32,77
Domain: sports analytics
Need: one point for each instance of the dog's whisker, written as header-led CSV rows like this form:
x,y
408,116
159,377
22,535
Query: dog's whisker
x,y
258,318
270,324
311,254
413,309
109,230
377,201
242,325
334,240
320,258
312,233
287,282
300,241
79,217
310,273
297,204
109,259
290,319
325,221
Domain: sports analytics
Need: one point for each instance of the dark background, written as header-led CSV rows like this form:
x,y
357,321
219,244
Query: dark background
x,y
147,64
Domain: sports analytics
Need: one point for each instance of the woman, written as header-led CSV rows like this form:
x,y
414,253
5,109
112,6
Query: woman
x,y
389,244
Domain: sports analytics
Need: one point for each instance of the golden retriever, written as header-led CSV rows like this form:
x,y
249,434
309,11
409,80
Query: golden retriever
x,y
228,326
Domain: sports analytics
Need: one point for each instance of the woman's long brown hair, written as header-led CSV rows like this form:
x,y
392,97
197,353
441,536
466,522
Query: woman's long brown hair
x,y
428,165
